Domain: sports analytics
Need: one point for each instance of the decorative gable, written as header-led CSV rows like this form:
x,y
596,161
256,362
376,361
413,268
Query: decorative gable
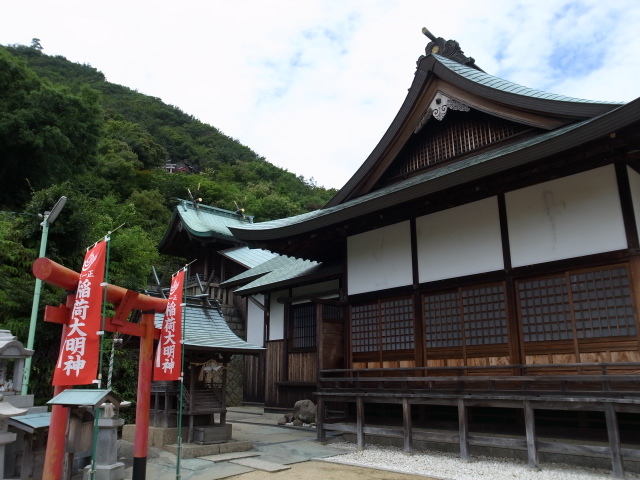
x,y
448,130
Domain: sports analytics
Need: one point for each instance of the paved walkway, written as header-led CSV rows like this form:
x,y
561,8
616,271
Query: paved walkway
x,y
278,453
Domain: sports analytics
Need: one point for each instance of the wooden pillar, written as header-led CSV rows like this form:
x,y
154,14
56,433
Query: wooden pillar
x,y
614,440
26,470
463,427
145,364
223,397
406,423
321,434
156,408
532,440
360,422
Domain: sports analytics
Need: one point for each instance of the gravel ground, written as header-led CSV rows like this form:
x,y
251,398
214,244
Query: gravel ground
x,y
450,467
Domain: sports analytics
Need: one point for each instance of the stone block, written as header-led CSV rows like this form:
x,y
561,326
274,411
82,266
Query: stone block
x,y
19,401
158,436
105,472
231,447
210,434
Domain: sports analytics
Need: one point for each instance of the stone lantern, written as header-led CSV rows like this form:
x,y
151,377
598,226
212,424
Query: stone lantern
x,y
12,351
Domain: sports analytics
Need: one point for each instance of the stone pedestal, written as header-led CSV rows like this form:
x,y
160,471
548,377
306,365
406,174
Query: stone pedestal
x,y
6,410
107,465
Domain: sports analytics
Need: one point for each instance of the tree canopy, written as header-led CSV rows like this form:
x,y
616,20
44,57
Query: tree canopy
x,y
65,130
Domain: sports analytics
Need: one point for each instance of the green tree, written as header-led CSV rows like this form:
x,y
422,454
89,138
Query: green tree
x,y
47,133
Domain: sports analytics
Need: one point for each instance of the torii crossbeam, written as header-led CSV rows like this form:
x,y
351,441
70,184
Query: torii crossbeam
x,y
124,301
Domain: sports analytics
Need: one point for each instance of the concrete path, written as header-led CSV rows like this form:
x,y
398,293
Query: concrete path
x,y
278,453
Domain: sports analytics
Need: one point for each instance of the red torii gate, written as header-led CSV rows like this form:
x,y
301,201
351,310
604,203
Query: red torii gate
x,y
124,301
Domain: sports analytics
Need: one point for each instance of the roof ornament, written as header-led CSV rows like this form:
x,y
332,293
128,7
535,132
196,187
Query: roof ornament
x,y
239,210
439,107
195,200
449,49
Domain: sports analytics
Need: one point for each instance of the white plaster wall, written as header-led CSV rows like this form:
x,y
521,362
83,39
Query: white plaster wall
x,y
255,322
564,218
379,259
459,241
276,316
634,182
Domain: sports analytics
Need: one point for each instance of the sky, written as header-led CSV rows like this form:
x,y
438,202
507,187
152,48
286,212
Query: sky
x,y
312,85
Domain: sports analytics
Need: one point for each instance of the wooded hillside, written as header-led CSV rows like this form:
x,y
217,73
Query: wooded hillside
x,y
65,130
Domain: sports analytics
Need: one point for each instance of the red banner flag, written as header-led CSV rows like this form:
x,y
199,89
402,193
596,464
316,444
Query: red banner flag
x,y
78,359
168,364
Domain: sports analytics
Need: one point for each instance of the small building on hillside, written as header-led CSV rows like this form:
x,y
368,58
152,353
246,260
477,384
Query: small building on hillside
x,y
478,273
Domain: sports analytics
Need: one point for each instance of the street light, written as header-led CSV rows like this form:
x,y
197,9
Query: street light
x,y
49,218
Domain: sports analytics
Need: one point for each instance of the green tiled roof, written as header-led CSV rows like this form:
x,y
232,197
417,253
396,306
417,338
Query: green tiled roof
x,y
205,221
85,397
482,78
276,263
205,328
288,269
248,257
31,421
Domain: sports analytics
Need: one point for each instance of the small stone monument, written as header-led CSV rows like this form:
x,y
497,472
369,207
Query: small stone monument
x,y
6,411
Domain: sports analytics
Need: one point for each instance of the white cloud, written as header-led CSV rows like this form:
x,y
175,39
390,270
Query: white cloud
x,y
313,85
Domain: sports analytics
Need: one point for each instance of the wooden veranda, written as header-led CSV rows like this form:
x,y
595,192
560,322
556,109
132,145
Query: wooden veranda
x,y
610,388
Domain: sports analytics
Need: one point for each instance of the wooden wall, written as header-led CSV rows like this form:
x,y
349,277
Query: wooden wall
x,y
254,379
274,369
290,376
302,367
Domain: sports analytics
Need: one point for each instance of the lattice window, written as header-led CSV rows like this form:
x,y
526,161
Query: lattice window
x,y
303,326
396,322
457,134
384,325
485,316
545,311
365,333
442,315
467,316
602,303
601,299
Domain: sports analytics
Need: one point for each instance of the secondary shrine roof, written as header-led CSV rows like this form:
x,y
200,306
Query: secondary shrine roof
x,y
205,329
279,272
202,222
248,257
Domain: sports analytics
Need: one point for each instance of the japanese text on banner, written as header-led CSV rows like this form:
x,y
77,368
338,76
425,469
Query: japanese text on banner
x,y
168,359
78,359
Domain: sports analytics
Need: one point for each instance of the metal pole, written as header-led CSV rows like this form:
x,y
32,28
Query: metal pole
x,y
34,307
182,355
